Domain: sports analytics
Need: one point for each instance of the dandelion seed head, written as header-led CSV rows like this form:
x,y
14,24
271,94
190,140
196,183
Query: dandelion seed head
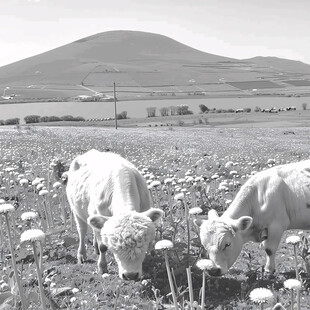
x,y
261,295
292,284
32,235
168,181
179,196
204,264
56,185
29,216
163,244
195,210
293,239
5,208
43,192
155,183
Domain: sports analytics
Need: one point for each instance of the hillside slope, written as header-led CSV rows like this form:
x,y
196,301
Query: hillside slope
x,y
145,64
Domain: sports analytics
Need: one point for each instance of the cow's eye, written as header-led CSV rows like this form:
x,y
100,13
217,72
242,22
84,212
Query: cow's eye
x,y
228,244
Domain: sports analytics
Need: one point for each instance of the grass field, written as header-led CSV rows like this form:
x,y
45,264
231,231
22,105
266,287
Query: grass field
x,y
161,152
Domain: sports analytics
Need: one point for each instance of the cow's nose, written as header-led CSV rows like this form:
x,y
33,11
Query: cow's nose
x,y
215,272
131,276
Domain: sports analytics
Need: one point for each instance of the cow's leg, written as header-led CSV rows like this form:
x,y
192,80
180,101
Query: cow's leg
x,y
102,262
275,231
82,230
95,244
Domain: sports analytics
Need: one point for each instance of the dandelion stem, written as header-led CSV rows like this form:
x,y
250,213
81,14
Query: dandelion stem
x,y
203,290
296,262
174,297
19,285
190,287
187,227
292,299
35,254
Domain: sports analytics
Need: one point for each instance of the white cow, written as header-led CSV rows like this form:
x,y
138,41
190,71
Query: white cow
x,y
108,193
270,202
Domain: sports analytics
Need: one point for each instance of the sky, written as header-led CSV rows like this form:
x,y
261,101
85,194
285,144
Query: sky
x,y
233,28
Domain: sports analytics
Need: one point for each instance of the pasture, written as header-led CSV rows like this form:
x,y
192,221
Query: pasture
x,y
194,159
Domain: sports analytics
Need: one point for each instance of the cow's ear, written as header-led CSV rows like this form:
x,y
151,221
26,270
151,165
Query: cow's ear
x,y
154,214
212,215
97,221
198,222
243,223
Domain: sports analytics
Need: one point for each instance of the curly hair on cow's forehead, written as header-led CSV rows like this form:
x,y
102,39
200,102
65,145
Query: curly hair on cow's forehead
x,y
129,234
218,227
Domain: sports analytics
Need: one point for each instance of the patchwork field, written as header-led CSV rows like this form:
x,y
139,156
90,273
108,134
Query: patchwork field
x,y
36,154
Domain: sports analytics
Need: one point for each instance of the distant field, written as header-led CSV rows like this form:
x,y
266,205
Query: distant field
x,y
254,85
137,108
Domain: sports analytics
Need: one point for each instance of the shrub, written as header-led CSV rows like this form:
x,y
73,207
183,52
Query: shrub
x,y
124,114
164,111
54,119
151,111
248,110
203,108
304,106
119,116
1,122
79,119
44,119
11,121
32,119
67,118
257,109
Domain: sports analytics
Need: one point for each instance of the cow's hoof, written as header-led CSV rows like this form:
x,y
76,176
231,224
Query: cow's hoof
x,y
269,275
81,259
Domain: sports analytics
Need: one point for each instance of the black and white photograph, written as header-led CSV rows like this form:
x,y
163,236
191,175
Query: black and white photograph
x,y
154,155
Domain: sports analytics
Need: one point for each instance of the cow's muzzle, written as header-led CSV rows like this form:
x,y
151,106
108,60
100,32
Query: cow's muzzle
x,y
214,271
131,276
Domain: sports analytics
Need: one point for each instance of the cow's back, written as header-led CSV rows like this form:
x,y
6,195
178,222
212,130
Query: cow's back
x,y
281,192
105,183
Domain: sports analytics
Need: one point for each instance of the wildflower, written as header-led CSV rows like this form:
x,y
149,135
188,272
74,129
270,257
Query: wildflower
x,y
72,299
215,176
105,275
261,295
163,244
24,182
43,192
179,196
5,208
155,183
39,186
271,161
29,216
56,185
75,290
195,211
204,264
189,179
278,306
292,284
168,181
229,164
293,240
32,235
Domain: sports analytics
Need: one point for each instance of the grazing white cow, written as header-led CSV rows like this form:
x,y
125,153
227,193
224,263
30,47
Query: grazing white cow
x,y
108,193
270,202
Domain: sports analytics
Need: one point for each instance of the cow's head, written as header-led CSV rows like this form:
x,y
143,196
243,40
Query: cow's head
x,y
128,236
223,239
